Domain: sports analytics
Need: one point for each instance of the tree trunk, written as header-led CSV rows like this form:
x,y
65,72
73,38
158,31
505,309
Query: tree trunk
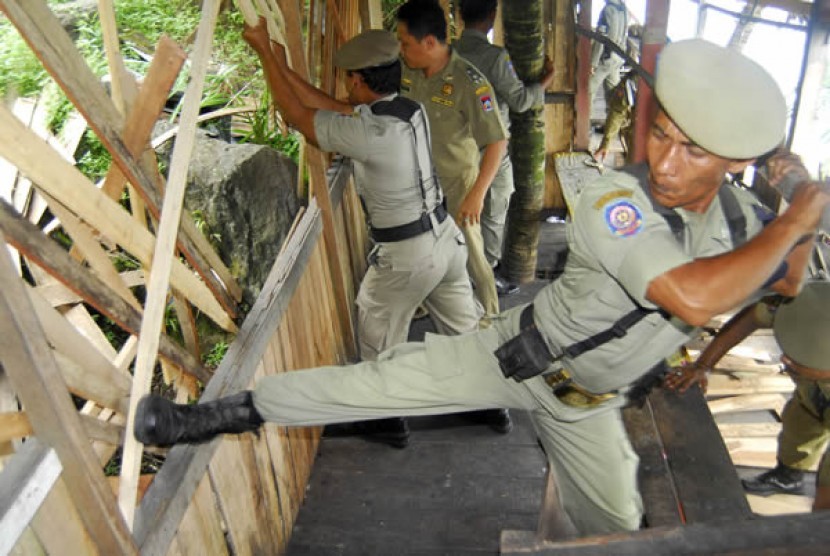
x,y
522,21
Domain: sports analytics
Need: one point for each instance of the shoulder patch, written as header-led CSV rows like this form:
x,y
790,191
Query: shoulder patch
x,y
486,103
610,196
623,218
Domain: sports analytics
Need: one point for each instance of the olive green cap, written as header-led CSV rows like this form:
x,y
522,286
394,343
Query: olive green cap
x,y
720,99
802,326
369,49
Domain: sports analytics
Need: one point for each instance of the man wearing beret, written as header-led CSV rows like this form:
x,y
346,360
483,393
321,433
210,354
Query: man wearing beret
x,y
655,252
419,254
512,95
801,326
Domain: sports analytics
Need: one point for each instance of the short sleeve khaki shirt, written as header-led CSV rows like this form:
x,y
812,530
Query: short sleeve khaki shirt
x,y
463,114
618,245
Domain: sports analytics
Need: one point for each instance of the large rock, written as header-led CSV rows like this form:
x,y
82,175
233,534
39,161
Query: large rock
x,y
245,198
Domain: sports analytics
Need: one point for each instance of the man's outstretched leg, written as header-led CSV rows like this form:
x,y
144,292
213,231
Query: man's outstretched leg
x,y
160,422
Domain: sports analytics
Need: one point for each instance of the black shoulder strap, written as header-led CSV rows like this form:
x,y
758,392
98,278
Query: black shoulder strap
x,y
399,107
735,218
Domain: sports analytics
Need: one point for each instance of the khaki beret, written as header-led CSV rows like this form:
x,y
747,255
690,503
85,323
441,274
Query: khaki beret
x,y
369,49
720,99
802,326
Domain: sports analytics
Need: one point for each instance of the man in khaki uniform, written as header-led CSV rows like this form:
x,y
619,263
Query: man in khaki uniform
x,y
652,257
464,118
419,254
512,96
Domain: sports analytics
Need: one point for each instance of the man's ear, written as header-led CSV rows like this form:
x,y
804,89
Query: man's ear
x,y
429,42
738,166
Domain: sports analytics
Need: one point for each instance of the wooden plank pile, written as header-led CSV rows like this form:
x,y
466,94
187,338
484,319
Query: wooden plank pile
x,y
54,496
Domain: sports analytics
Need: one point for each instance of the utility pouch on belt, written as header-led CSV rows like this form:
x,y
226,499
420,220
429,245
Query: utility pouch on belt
x,y
527,354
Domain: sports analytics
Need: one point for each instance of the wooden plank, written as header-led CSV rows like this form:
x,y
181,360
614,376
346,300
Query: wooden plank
x,y
247,509
750,430
201,530
34,374
86,371
121,91
53,46
660,503
748,403
16,425
707,485
784,535
88,247
55,176
780,504
58,525
57,262
724,385
163,255
24,484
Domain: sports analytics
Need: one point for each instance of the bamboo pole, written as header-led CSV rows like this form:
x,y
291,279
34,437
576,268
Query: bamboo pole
x,y
163,254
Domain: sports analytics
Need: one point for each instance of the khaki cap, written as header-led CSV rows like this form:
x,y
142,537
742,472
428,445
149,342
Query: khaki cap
x,y
802,327
369,49
720,99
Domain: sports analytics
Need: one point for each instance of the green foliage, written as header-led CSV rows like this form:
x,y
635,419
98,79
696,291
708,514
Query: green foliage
x,y
202,225
214,357
264,131
93,158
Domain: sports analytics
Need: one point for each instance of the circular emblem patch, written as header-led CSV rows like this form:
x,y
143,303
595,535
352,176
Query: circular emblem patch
x,y
623,218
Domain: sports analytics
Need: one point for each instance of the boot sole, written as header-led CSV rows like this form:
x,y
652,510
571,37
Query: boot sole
x,y
144,426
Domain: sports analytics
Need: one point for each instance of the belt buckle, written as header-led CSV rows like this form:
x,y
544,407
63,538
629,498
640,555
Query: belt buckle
x,y
558,380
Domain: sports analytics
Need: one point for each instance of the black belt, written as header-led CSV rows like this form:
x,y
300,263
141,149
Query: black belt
x,y
412,229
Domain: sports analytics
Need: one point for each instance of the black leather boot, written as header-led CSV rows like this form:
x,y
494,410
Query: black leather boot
x,y
160,422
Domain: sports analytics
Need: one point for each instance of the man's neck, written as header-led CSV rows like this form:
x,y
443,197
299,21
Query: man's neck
x,y
439,61
480,26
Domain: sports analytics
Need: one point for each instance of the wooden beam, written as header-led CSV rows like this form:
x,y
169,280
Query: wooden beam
x,y
707,484
163,254
24,484
748,402
724,385
16,425
28,361
654,37
583,74
55,49
789,536
70,187
46,253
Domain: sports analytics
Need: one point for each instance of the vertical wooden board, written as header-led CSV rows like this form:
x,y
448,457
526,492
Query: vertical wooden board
x,y
200,531
238,487
58,525
288,352
270,484
28,545
558,120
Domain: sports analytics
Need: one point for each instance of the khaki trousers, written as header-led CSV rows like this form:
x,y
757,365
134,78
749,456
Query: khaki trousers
x,y
588,450
430,269
494,215
805,431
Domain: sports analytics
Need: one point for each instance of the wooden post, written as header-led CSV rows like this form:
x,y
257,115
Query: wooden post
x,y
654,37
583,75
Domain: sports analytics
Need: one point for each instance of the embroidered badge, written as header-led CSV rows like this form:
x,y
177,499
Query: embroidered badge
x,y
486,103
623,218
483,89
446,90
610,196
442,101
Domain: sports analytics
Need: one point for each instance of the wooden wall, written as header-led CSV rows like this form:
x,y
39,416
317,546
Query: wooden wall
x,y
238,494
